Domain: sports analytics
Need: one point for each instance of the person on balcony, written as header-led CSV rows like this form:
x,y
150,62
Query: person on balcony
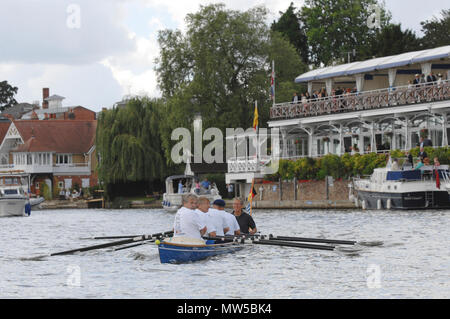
x,y
424,142
295,98
416,81
431,78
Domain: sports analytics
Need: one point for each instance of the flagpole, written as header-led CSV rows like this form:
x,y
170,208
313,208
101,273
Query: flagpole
x,y
273,74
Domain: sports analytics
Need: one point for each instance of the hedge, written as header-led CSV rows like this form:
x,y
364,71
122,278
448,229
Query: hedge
x,y
347,166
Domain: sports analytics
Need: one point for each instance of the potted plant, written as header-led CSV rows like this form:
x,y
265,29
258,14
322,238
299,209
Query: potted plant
x,y
326,139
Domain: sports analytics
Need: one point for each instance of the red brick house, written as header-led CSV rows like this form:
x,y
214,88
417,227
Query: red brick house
x,y
60,153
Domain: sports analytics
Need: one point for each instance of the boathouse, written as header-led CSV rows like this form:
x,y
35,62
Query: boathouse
x,y
375,105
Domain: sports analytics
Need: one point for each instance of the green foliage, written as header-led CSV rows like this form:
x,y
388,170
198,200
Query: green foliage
x,y
129,143
220,67
7,93
347,166
291,27
391,40
45,191
436,31
336,27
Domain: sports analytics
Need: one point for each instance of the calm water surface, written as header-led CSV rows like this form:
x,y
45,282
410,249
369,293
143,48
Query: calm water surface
x,y
413,263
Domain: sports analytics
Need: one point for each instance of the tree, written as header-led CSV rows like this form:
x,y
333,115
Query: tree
x,y
391,40
219,68
291,27
288,65
336,27
129,144
436,31
7,93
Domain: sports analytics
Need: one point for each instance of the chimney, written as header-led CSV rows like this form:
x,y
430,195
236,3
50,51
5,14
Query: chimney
x,y
45,94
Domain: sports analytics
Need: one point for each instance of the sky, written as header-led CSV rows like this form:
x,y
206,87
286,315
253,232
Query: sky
x,y
95,52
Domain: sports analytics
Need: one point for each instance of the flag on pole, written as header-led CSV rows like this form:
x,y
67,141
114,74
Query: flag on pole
x,y
250,197
255,117
272,86
272,83
438,181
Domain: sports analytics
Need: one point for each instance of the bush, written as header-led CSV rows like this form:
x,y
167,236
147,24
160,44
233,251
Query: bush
x,y
45,191
347,166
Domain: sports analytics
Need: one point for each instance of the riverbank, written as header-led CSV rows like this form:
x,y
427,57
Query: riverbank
x,y
265,204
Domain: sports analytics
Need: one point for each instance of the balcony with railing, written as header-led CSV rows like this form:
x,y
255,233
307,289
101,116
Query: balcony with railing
x,y
247,164
368,100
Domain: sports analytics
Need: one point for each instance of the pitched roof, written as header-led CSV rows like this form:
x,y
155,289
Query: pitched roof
x,y
63,136
19,109
4,126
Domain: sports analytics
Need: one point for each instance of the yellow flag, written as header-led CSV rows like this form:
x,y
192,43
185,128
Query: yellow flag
x,y
255,119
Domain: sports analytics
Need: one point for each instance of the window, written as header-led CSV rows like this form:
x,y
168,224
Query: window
x,y
68,183
85,182
60,185
63,159
37,186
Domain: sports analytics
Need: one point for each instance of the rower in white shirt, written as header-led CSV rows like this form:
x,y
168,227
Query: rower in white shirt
x,y
202,211
187,222
233,225
219,220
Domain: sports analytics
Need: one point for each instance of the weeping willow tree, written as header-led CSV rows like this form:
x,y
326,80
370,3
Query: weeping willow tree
x,y
129,144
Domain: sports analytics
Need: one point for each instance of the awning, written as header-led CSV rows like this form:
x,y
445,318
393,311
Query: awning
x,y
382,63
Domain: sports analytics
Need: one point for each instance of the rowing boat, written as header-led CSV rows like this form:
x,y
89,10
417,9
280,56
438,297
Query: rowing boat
x,y
182,250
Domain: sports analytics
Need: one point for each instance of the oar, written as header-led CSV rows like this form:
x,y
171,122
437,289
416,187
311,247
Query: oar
x,y
326,241
121,236
311,240
242,240
110,237
352,250
135,245
306,240
287,244
106,245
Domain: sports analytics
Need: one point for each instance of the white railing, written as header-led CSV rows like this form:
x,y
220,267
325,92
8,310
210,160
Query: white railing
x,y
368,100
247,164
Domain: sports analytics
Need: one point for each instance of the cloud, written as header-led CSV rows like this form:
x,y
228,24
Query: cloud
x,y
90,85
63,31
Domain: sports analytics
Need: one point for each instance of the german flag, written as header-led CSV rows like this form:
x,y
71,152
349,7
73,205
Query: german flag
x,y
251,195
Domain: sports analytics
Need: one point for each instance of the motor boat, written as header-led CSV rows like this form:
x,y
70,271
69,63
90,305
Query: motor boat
x,y
407,188
13,199
172,198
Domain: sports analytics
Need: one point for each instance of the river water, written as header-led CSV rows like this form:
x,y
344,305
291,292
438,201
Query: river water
x,y
414,261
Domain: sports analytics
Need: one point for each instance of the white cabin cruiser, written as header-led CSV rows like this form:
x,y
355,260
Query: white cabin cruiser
x,y
13,199
172,198
424,188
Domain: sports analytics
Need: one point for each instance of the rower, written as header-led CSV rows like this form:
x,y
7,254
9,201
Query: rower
x,y
202,211
233,226
218,221
187,222
245,221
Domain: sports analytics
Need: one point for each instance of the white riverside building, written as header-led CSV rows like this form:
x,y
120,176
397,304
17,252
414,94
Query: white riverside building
x,y
385,112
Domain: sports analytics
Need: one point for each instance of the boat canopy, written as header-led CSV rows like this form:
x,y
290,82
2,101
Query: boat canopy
x,y
174,177
376,64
